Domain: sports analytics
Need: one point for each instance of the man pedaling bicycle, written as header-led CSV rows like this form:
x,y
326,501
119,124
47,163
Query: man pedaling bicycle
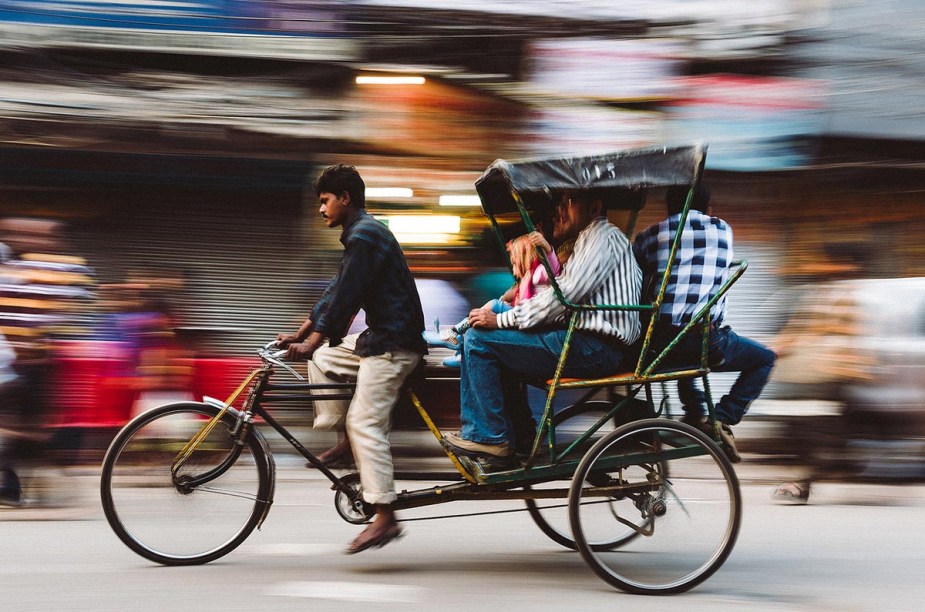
x,y
373,276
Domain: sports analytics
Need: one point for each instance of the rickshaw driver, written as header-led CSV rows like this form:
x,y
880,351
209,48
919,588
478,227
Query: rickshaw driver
x,y
526,342
373,276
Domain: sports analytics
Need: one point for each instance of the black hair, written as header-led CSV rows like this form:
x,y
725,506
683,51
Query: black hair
x,y
338,179
590,196
677,195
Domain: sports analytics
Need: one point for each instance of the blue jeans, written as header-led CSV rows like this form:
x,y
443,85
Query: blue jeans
x,y
730,352
496,362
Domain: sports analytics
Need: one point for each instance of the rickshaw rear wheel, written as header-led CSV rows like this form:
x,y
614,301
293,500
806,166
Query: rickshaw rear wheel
x,y
675,483
551,515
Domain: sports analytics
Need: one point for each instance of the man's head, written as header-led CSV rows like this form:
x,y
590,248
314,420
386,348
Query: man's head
x,y
341,193
574,212
677,195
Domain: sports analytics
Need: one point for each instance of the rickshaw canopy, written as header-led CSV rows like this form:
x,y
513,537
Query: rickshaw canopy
x,y
622,171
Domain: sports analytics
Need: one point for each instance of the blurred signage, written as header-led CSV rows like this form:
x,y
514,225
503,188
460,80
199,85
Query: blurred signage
x,y
587,129
434,120
283,29
604,69
751,123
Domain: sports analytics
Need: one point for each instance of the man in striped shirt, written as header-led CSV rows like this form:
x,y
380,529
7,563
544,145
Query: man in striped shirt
x,y
502,350
701,267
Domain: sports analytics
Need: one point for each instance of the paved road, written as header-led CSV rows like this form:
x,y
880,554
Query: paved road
x,y
855,548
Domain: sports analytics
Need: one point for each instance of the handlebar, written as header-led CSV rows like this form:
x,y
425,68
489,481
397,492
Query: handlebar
x,y
269,356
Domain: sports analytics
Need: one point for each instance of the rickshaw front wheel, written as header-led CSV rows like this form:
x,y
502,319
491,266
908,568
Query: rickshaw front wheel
x,y
192,513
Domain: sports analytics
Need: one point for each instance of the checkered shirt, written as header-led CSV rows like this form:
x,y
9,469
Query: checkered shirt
x,y
701,265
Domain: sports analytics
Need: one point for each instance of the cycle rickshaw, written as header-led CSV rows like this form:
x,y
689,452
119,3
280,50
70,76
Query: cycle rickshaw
x,y
653,505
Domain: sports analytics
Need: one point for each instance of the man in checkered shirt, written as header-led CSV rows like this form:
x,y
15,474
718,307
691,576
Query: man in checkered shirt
x,y
700,269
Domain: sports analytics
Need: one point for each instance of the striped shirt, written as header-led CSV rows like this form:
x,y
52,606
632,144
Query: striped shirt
x,y
700,269
601,270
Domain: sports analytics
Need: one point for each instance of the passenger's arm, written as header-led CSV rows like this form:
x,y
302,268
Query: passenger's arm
x,y
592,262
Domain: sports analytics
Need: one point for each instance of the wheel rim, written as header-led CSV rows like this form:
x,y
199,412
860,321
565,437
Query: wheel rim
x,y
551,515
692,505
172,519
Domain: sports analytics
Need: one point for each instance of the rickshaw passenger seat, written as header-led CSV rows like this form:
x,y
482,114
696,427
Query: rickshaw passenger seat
x,y
629,378
684,370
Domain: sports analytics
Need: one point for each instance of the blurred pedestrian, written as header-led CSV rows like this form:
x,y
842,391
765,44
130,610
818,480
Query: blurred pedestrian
x,y
43,293
373,276
10,408
700,268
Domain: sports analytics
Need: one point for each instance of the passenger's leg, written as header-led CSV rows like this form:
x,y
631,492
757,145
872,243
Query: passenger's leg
x,y
489,355
499,306
522,423
482,374
692,398
753,360
10,488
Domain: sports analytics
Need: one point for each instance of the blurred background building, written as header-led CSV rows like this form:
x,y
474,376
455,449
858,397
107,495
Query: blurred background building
x,y
177,140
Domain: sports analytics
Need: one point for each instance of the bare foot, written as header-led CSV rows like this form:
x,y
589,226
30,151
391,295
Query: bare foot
x,y
338,455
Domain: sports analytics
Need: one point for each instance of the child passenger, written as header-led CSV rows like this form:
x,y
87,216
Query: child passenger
x,y
530,274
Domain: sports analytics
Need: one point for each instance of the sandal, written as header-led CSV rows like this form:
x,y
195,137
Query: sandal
x,y
338,456
369,538
791,493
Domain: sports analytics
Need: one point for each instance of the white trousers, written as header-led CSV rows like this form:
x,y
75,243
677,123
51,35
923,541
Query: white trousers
x,y
368,416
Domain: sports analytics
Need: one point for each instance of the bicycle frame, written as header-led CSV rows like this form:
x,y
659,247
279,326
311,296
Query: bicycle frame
x,y
466,485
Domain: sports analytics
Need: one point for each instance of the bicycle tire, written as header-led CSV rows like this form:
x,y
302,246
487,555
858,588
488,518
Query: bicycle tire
x,y
166,518
695,511
551,515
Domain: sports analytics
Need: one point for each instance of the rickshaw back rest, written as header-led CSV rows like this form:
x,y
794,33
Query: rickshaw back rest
x,y
653,367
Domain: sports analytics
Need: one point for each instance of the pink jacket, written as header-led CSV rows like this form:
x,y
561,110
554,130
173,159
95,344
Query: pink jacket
x,y
537,278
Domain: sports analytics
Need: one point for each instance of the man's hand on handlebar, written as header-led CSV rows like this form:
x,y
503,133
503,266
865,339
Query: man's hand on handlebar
x,y
284,340
305,332
296,349
299,351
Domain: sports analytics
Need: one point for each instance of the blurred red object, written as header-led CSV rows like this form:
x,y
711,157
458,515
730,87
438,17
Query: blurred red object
x,y
91,385
218,377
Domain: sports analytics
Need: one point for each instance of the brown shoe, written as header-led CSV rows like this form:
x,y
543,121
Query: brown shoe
x,y
729,443
338,456
468,446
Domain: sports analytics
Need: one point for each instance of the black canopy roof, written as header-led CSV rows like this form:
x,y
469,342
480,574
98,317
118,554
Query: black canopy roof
x,y
622,171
